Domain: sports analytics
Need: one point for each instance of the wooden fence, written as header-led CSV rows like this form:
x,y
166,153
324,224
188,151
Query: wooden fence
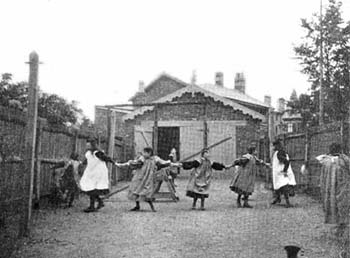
x,y
52,145
304,147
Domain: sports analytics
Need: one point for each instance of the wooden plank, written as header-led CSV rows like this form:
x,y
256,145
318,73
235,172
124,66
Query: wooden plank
x,y
182,123
210,147
116,191
38,165
155,131
205,127
143,137
52,161
191,138
111,138
30,139
225,152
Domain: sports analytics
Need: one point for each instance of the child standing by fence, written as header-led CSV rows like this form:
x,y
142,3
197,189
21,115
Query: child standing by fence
x,y
95,180
69,181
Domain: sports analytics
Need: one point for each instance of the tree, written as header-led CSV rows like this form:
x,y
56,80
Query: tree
x,y
293,96
57,110
13,94
336,47
54,108
303,105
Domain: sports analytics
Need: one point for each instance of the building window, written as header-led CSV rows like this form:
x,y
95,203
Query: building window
x,y
290,128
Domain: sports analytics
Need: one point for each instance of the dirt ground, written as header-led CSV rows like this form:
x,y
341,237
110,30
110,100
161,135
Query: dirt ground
x,y
176,231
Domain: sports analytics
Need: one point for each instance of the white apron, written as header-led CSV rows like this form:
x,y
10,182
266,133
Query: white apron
x,y
95,175
278,177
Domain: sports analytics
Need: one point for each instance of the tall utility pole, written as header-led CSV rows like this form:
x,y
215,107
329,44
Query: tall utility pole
x,y
29,141
321,98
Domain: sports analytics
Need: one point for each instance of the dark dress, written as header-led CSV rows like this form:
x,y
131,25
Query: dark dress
x,y
142,186
244,179
200,180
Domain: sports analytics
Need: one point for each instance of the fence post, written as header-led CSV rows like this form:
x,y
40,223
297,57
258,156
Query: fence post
x,y
111,137
155,131
348,141
270,136
341,129
38,165
205,127
30,138
306,156
75,141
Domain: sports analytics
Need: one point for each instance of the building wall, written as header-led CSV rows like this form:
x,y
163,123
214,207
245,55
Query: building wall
x,y
245,135
160,88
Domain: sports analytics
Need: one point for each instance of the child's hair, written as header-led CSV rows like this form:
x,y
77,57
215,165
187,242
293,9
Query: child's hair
x,y
335,148
93,143
74,156
277,142
205,150
251,149
148,150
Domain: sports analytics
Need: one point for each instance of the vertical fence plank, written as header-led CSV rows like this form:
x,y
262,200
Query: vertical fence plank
x,y
38,165
111,144
307,156
155,131
205,127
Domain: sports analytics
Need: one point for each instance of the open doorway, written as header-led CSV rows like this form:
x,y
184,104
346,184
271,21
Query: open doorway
x,y
168,138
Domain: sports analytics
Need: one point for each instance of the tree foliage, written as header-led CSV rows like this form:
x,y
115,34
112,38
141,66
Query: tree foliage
x,y
336,59
303,105
54,108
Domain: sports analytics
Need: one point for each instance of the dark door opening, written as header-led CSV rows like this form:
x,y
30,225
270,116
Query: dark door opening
x,y
168,138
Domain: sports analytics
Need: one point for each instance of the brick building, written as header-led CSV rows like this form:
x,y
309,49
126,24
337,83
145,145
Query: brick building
x,y
286,121
215,112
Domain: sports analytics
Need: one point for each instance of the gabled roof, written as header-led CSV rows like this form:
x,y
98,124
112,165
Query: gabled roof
x,y
232,94
163,74
195,89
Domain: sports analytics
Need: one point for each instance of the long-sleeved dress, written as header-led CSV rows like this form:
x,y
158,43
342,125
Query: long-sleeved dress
x,y
282,173
335,188
95,176
142,183
70,180
244,179
200,179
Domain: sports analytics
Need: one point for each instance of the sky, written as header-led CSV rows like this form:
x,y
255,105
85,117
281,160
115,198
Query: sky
x,y
96,51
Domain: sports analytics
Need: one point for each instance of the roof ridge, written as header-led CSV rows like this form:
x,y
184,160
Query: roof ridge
x,y
192,89
259,102
158,77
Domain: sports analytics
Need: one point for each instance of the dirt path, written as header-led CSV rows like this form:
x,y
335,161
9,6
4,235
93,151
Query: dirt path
x,y
176,231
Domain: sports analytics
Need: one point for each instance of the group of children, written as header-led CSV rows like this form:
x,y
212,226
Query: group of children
x,y
94,180
142,185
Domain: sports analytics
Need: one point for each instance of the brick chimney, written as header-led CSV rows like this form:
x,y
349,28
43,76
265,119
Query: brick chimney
x,y
267,100
240,82
141,86
219,79
281,105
